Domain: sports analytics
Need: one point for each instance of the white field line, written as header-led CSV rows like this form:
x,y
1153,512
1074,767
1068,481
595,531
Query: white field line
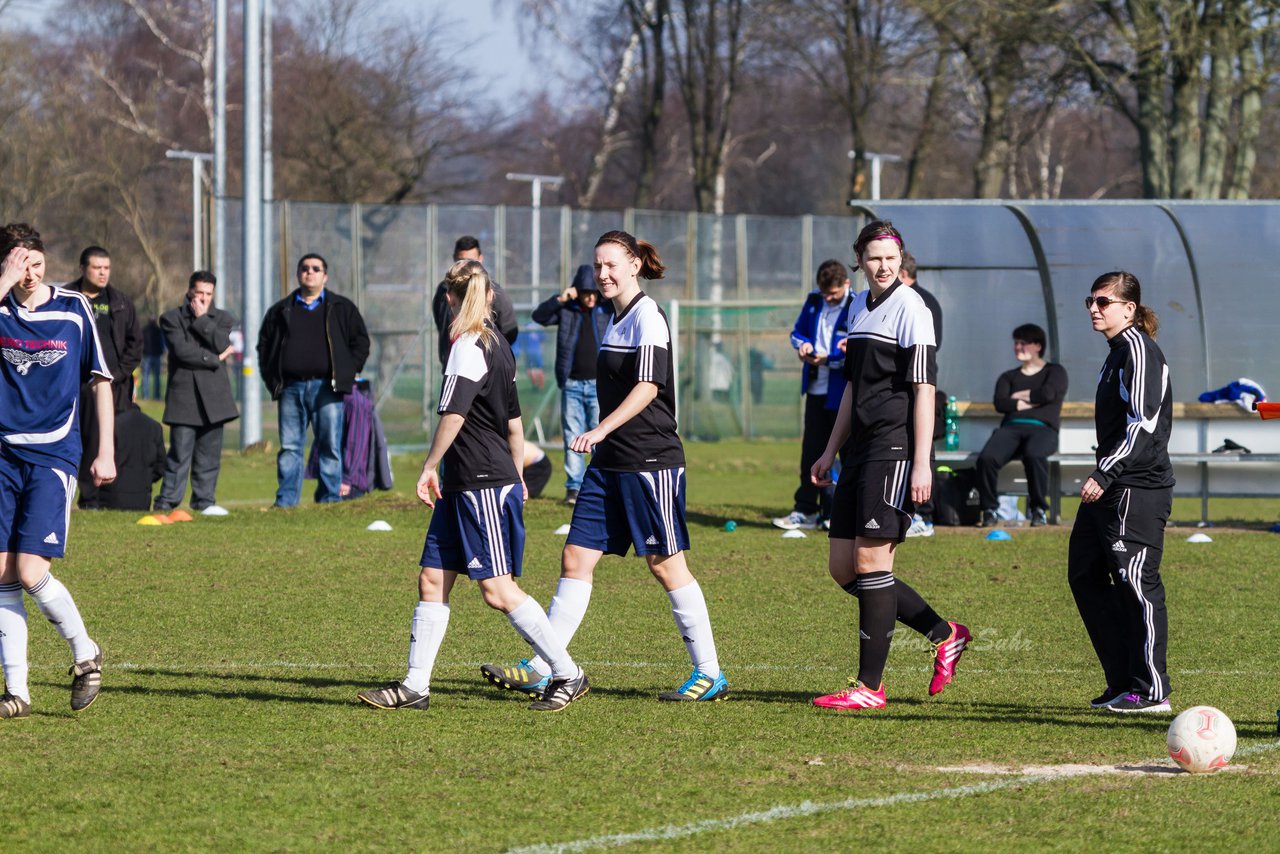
x,y
207,667
808,808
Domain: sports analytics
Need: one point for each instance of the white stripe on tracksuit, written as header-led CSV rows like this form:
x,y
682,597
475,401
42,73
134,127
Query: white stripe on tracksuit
x,y
895,489
1134,579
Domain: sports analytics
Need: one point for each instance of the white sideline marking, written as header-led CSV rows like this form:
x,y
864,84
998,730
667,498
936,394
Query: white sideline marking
x,y
807,808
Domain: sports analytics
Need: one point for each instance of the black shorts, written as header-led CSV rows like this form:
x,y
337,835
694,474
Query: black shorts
x,y
873,499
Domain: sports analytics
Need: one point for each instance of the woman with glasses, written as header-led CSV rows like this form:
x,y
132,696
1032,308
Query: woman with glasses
x,y
1113,563
1030,397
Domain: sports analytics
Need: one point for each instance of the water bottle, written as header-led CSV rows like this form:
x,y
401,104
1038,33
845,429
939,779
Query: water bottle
x,y
953,424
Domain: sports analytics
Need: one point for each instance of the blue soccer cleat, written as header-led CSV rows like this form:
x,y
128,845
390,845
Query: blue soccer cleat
x,y
698,687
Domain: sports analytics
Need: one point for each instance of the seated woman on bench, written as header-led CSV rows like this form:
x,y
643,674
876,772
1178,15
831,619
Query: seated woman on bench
x,y
1030,396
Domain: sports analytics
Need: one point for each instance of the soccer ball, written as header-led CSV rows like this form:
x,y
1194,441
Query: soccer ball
x,y
1202,739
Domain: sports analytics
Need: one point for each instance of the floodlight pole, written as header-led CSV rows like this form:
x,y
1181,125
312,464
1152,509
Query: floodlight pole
x,y
197,207
220,149
876,162
535,189
251,261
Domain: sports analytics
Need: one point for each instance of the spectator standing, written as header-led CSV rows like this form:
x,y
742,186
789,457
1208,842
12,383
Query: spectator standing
x,y
502,312
311,346
152,359
199,400
818,338
581,318
1030,396
121,338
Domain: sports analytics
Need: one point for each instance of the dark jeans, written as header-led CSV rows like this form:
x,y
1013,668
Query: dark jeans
x,y
196,451
1034,444
818,421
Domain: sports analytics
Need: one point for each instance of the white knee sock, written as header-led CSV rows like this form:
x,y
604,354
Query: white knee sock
x,y
430,619
60,609
694,625
13,640
534,626
568,607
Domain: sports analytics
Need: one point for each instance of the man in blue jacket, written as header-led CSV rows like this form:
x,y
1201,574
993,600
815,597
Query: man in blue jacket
x,y
818,337
582,317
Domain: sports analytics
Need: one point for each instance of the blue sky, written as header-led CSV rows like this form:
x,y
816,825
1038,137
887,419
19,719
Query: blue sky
x,y
488,24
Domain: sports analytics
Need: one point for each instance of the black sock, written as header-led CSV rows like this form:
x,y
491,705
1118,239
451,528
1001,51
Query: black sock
x,y
877,607
914,612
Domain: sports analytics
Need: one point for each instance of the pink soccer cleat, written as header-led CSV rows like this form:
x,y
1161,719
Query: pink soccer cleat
x,y
947,656
856,696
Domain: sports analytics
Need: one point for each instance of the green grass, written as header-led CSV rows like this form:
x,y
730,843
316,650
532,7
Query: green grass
x,y
235,647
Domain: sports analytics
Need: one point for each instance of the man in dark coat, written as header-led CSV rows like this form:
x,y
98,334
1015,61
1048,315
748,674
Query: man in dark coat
x,y
312,345
121,338
198,401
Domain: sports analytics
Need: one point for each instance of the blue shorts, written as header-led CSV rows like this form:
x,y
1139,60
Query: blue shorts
x,y
620,509
35,507
478,532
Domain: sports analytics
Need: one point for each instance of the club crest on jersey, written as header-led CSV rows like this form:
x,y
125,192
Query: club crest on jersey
x,y
23,360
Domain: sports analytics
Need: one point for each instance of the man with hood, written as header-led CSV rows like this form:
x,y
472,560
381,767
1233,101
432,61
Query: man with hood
x,y
581,317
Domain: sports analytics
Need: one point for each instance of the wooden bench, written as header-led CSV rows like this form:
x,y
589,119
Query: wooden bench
x,y
1201,413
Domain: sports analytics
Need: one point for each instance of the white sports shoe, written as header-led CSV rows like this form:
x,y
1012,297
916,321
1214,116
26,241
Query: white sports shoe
x,y
919,527
214,510
795,519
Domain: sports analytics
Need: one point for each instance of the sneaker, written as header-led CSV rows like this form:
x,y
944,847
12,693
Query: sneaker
x,y
13,707
1137,703
919,527
825,524
570,497
562,692
521,677
856,696
1107,697
395,696
795,519
988,519
698,687
86,681
1039,518
947,655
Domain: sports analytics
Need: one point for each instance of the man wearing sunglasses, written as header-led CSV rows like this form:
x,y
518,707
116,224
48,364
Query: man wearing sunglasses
x,y
312,345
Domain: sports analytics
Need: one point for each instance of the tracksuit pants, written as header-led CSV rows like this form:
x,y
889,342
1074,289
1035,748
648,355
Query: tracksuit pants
x,y
1113,567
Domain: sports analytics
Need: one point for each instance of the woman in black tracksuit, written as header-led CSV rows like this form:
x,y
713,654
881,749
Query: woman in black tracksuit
x,y
1113,564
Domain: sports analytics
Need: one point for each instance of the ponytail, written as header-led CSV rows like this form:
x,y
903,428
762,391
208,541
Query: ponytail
x,y
651,266
469,285
1145,319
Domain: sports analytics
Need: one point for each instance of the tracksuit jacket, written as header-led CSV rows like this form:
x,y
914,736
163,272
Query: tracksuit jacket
x,y
1133,413
806,331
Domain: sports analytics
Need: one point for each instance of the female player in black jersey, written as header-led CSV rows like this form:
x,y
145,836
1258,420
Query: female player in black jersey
x,y
886,416
1113,562
477,525
633,492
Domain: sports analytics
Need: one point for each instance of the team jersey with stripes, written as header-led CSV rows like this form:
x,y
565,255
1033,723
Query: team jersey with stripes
x,y
1133,414
890,349
479,385
49,352
637,348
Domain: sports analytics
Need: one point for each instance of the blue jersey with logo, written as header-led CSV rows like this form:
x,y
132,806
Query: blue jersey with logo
x,y
49,352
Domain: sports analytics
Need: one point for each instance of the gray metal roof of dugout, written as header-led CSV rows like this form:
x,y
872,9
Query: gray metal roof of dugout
x,y
1206,268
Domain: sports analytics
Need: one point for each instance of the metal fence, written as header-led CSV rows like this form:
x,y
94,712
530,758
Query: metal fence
x,y
1206,267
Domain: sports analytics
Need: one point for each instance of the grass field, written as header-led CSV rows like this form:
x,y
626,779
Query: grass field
x,y
228,718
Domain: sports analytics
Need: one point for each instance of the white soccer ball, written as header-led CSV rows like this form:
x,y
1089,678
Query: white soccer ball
x,y
1201,740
